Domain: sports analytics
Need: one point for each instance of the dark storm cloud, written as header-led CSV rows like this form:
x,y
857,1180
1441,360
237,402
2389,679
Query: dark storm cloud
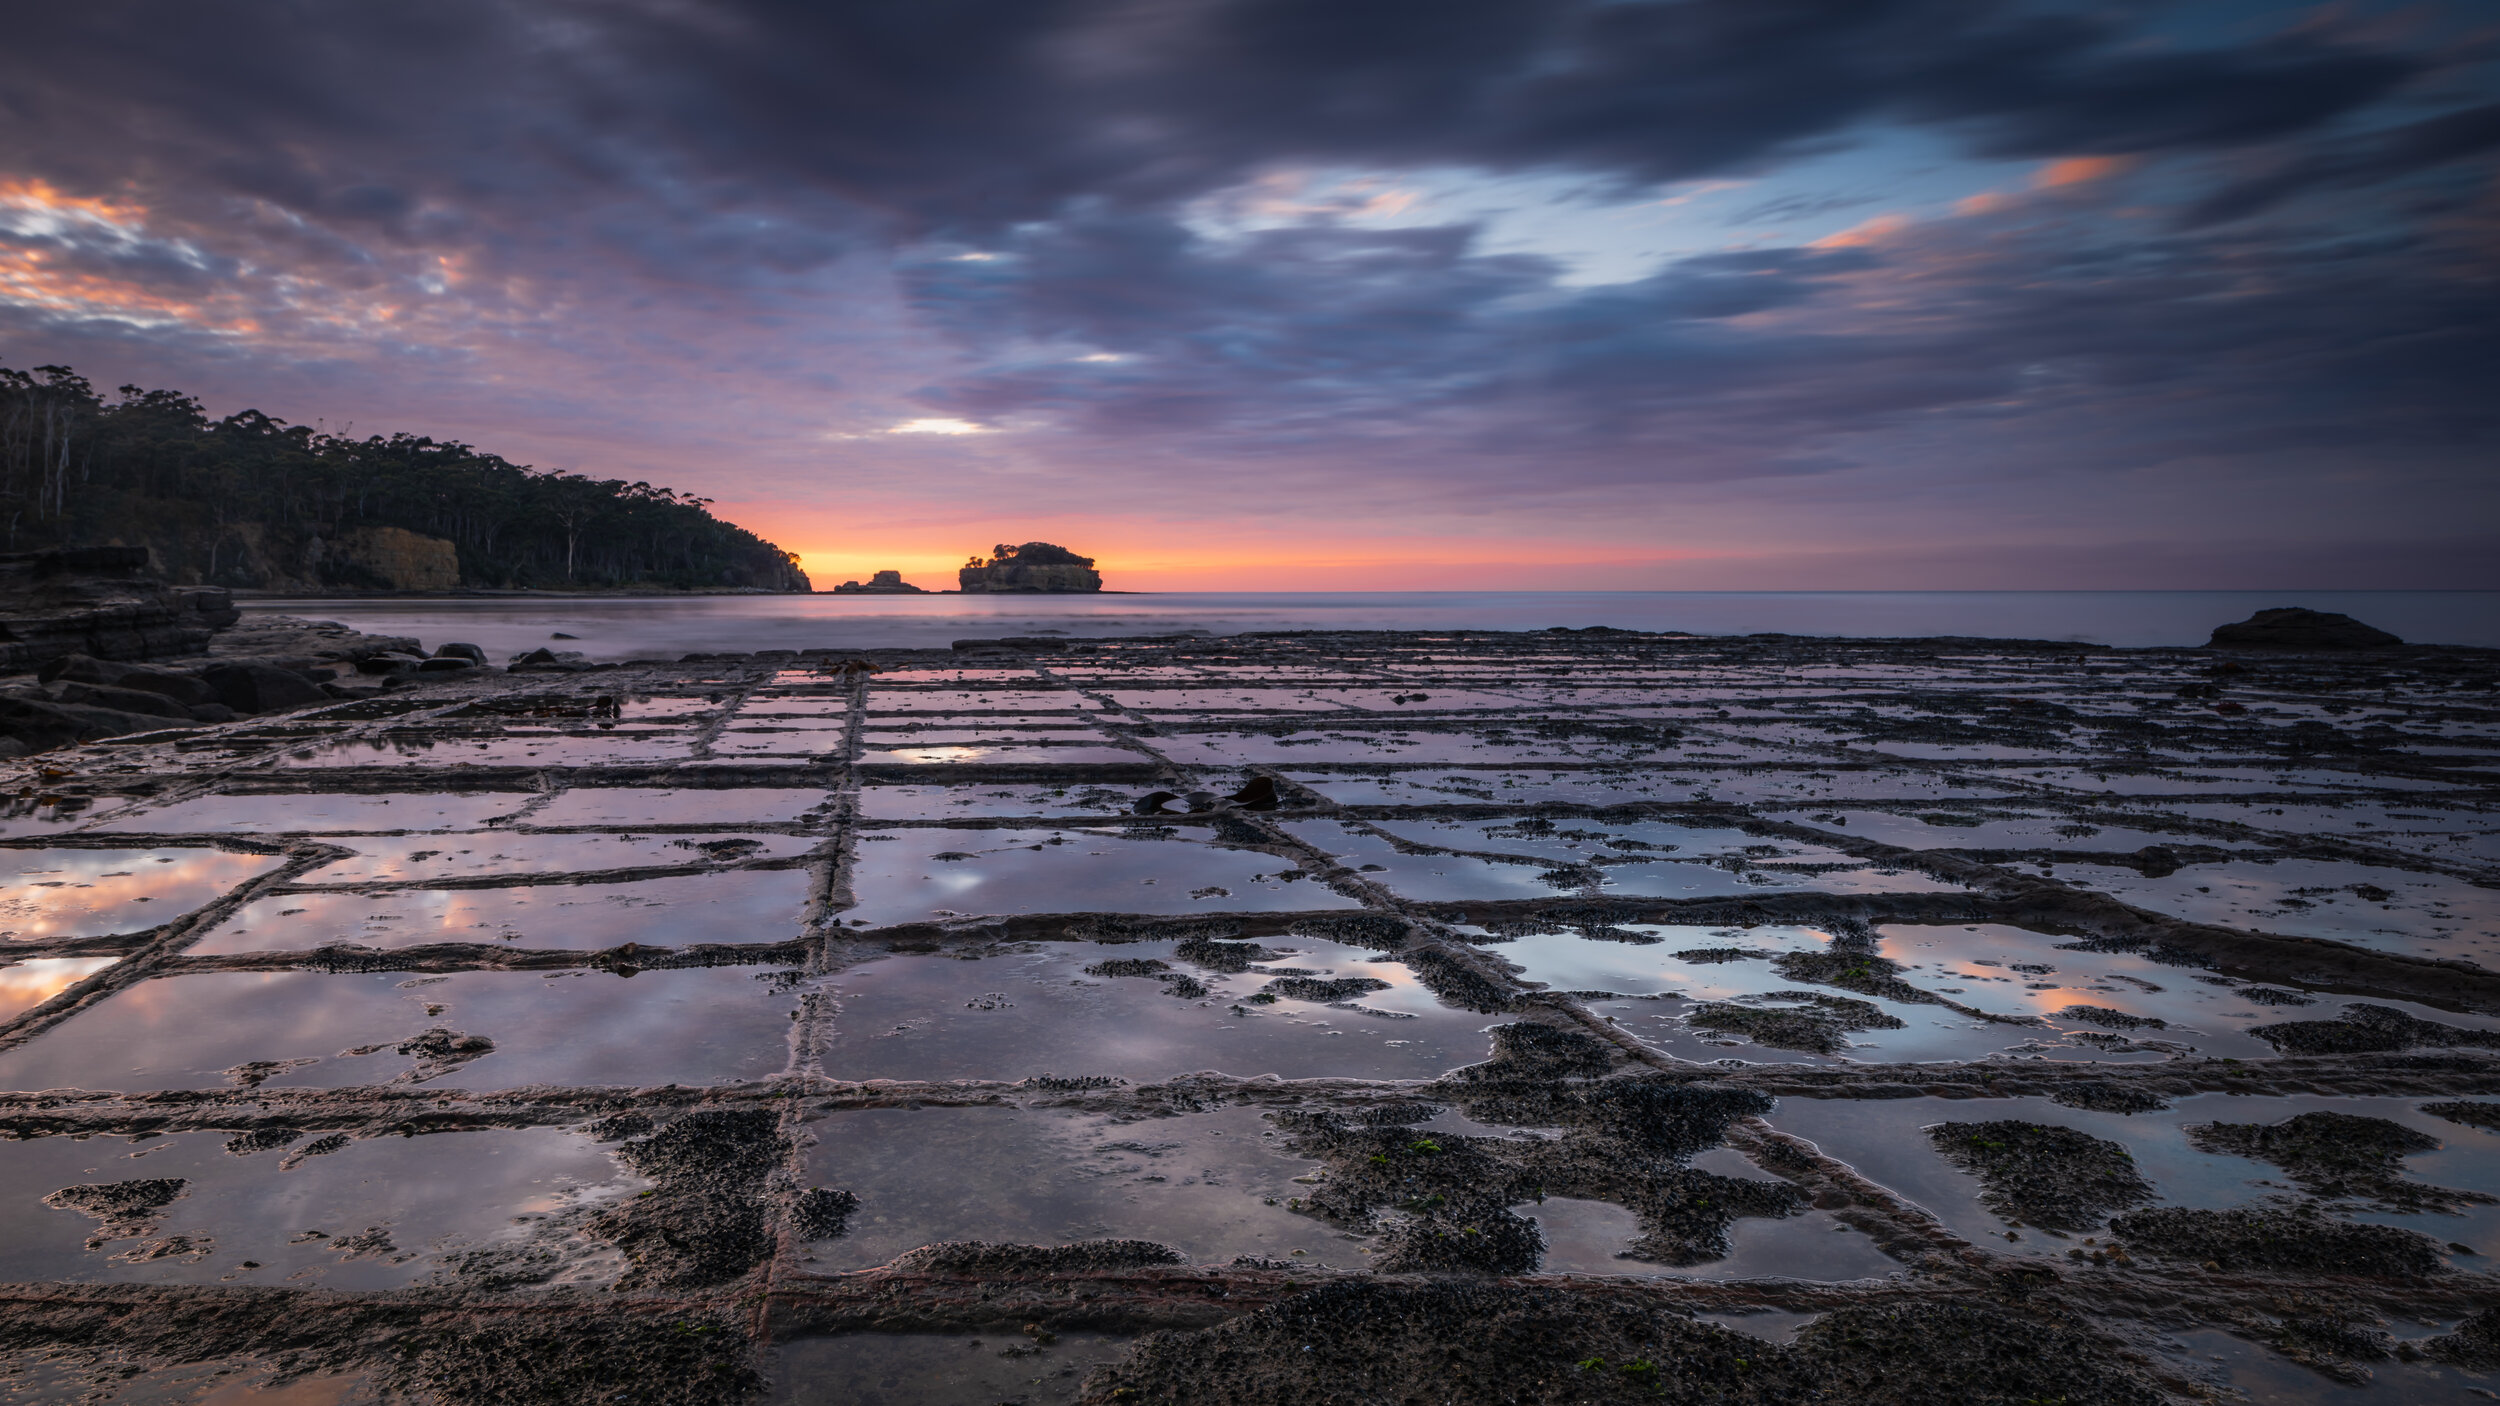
x,y
2359,161
963,117
1292,337
967,115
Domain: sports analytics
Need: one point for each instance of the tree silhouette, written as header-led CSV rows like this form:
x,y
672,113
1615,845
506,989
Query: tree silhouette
x,y
221,500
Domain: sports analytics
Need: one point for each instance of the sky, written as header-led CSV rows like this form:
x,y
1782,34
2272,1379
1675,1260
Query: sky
x,y
1309,294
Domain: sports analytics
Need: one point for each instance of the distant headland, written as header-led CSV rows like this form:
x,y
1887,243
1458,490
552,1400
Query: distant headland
x,y
252,503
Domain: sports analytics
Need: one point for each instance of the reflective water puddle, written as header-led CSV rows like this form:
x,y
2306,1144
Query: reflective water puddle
x,y
319,1030
302,1209
57,893
441,856
1211,1185
1040,1012
906,876
754,906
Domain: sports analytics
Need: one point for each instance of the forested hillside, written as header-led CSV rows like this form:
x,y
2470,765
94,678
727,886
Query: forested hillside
x,y
252,501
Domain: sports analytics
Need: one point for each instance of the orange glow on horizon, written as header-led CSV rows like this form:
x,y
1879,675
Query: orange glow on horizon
x,y
1134,557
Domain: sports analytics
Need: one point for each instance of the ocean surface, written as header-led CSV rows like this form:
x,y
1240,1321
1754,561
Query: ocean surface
x,y
664,627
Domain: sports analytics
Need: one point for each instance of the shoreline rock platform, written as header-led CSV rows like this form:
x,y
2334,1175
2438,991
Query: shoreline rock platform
x,y
1573,1016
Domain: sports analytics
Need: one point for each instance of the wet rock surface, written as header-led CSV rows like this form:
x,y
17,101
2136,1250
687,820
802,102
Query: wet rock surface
x,y
1417,1016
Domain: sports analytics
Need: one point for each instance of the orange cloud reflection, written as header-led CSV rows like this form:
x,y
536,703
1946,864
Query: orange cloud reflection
x,y
26,985
89,893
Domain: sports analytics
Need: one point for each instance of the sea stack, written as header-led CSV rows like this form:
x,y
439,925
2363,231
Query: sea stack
x,y
1034,566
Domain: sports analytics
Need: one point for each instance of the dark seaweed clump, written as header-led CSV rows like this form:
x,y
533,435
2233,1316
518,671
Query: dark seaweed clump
x,y
1673,1120
1816,1024
1458,982
1220,956
1480,1238
2338,1154
116,1199
1460,1342
2107,1096
2299,1239
1525,1050
1450,1202
2471,1114
680,1358
1862,972
123,1210
2475,1345
2331,1345
1129,966
705,1222
1180,984
822,1213
985,1258
1378,931
2368,1029
1922,1354
1323,989
1374,1342
2050,1176
2108,1019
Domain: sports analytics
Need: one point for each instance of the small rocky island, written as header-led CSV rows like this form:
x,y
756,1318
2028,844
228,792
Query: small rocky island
x,y
884,583
1034,566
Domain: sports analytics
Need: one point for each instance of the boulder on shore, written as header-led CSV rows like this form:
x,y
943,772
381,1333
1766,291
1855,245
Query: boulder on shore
x,y
2294,627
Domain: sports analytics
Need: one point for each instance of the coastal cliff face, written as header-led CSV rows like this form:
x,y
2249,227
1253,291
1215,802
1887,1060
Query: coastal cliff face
x,y
1033,567
400,559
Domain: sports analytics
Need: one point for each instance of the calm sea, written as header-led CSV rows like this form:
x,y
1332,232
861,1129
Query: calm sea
x,y
663,627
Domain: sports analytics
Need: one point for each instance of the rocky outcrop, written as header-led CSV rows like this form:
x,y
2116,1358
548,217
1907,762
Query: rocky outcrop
x,y
294,643
884,583
280,665
99,601
2292,627
113,652
1034,566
